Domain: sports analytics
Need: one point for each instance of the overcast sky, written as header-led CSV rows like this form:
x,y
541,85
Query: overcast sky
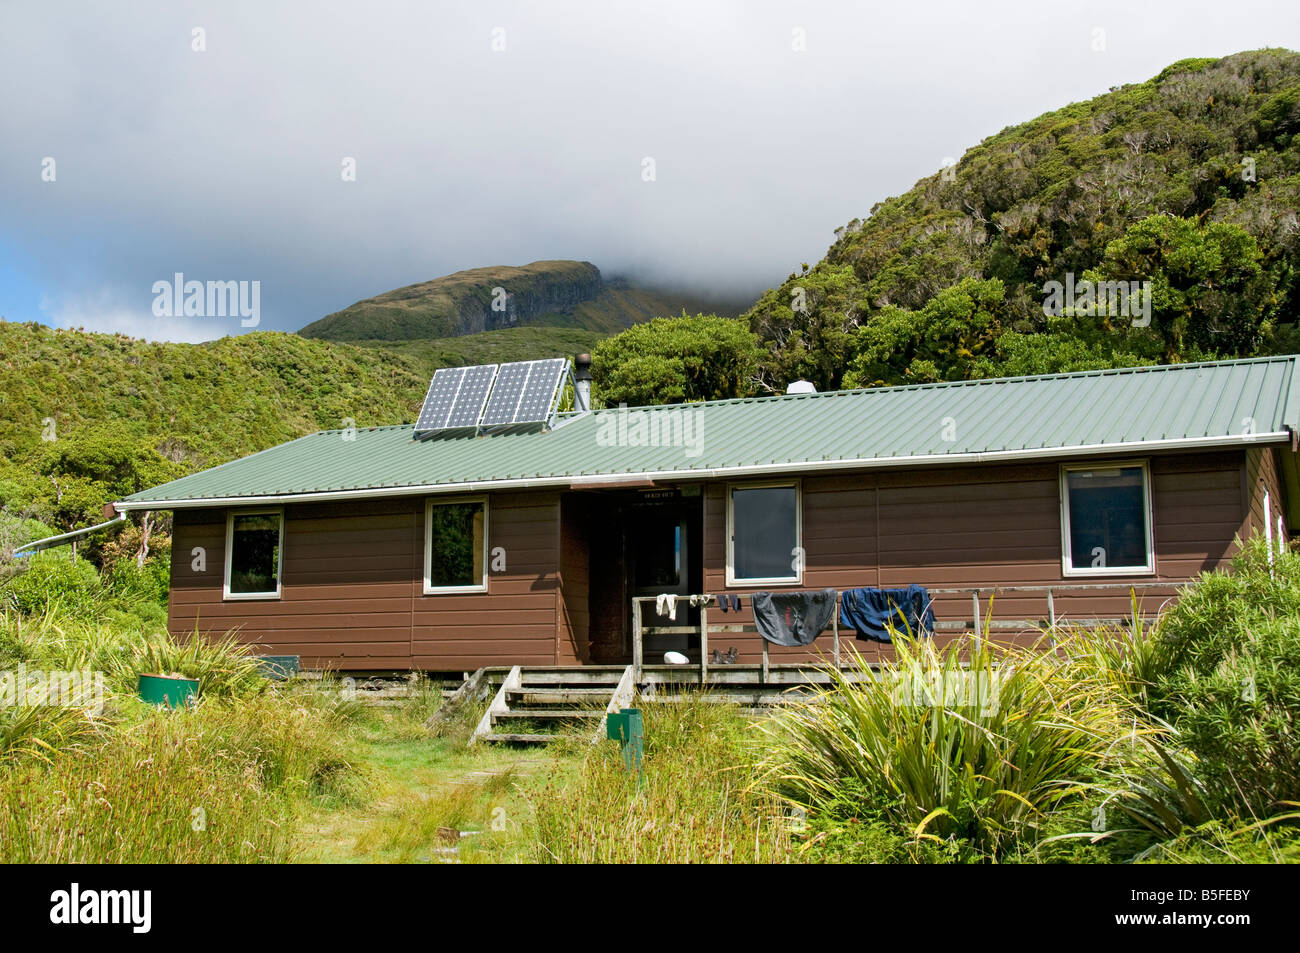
x,y
769,125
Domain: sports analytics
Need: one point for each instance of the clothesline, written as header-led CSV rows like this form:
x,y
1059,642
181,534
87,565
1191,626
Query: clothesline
x,y
799,617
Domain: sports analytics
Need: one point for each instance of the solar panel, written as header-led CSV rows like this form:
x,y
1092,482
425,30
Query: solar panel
x,y
474,387
504,401
455,398
490,396
524,392
539,393
439,400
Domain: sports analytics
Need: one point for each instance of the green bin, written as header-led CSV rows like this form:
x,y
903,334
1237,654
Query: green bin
x,y
172,692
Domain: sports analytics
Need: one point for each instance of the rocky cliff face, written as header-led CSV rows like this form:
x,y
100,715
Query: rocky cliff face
x,y
482,299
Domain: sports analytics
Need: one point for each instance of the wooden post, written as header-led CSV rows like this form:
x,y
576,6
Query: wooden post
x,y
637,651
704,643
835,629
765,659
975,599
1051,609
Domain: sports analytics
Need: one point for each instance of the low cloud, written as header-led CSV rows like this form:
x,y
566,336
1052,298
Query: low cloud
x,y
334,151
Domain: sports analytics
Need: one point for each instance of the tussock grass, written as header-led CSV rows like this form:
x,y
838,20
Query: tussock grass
x,y
223,781
222,665
697,804
28,731
211,785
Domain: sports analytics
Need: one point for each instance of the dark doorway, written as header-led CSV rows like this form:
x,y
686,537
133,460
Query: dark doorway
x,y
644,544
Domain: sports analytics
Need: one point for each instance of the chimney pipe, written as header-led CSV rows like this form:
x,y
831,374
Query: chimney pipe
x,y
582,382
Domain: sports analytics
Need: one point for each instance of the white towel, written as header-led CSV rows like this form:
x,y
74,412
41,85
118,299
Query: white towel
x,y
668,601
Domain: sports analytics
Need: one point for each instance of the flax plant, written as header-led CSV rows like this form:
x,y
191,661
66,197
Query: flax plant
x,y
971,742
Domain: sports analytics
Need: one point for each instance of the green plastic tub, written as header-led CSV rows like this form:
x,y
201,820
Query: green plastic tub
x,y
172,692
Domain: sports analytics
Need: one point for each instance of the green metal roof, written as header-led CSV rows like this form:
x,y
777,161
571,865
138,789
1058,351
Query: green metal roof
x,y
1226,403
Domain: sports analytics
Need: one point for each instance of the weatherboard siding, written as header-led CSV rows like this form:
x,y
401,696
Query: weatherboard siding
x,y
514,622
977,526
352,585
1261,476
352,588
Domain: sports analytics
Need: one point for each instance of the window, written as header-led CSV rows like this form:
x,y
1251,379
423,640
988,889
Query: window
x,y
1106,520
763,533
455,546
253,545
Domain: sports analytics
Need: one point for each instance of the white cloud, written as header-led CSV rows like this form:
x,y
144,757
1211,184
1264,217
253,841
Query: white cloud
x,y
101,313
225,164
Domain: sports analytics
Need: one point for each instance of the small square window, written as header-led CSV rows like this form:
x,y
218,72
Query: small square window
x,y
455,546
763,530
253,557
1107,520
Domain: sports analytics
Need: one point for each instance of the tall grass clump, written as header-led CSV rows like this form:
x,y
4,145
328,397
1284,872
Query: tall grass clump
x,y
697,804
223,666
216,784
123,782
973,747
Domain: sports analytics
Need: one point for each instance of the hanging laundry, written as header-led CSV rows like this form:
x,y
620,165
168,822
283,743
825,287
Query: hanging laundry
x,y
666,604
793,618
724,601
874,613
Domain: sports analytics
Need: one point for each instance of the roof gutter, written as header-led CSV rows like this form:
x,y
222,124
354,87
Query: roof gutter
x,y
756,470
50,542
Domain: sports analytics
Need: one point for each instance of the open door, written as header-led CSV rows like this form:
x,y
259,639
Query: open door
x,y
662,542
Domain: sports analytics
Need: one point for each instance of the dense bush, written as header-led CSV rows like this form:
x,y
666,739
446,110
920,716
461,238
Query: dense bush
x,y
1186,180
55,577
1232,689
671,360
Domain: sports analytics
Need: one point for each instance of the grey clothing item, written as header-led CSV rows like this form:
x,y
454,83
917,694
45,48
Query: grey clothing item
x,y
793,618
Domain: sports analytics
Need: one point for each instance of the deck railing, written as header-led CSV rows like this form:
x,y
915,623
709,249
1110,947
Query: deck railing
x,y
641,628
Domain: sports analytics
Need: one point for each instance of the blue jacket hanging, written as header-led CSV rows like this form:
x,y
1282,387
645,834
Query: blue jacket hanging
x,y
873,612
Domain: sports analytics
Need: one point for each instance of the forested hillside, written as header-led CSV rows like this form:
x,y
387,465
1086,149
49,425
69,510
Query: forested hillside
x,y
85,417
1190,181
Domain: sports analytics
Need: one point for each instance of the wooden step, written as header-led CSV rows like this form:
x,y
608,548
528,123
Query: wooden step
x,y
544,714
558,696
509,739
591,675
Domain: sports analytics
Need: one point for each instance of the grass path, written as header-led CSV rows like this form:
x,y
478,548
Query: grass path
x,y
414,791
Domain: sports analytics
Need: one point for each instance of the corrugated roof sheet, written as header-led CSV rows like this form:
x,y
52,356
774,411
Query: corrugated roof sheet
x,y
1210,404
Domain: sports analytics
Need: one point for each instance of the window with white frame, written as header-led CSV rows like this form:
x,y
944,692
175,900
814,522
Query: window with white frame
x,y
764,534
455,546
1106,519
254,540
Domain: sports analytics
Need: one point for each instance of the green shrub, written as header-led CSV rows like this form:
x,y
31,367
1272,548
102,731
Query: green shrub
x,y
55,578
1234,695
141,591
